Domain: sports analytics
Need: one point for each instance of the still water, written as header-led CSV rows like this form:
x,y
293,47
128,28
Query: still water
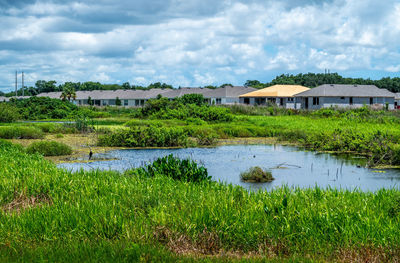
x,y
290,166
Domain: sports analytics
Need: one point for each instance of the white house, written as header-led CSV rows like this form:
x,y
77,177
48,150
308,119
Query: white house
x,y
345,96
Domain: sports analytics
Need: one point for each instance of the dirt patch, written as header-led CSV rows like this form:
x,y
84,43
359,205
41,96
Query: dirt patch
x,y
207,245
368,254
21,202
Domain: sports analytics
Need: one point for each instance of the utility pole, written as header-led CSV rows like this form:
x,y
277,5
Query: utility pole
x,y
22,83
16,84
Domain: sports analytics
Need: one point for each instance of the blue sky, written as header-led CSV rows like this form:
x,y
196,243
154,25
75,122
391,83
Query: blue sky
x,y
196,42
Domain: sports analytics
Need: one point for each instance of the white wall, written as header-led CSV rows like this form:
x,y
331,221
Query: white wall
x,y
344,102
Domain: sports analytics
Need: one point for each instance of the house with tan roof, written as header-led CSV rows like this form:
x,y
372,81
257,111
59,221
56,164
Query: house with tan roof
x,y
282,95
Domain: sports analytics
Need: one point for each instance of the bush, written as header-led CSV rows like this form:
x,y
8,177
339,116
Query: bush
x,y
205,136
197,99
256,175
8,113
145,137
49,148
183,170
20,132
36,108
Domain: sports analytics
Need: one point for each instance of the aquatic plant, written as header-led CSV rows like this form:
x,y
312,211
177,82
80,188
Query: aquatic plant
x,y
256,175
170,166
51,213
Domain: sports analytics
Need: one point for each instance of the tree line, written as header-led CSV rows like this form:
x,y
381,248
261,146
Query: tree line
x,y
310,80
51,86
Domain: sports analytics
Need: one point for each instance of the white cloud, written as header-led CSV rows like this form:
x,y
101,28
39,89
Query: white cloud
x,y
191,43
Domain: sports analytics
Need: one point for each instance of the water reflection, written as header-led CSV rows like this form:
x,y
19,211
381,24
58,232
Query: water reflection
x,y
289,165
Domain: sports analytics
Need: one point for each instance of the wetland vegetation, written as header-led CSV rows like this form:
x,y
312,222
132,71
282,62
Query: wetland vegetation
x,y
169,209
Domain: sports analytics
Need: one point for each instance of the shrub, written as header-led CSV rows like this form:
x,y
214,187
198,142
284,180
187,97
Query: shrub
x,y
256,175
20,132
183,170
8,113
205,136
49,148
145,137
197,99
45,108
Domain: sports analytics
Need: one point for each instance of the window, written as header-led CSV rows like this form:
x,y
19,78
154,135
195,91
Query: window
x,y
315,100
246,101
125,102
371,101
342,98
351,100
290,99
218,101
137,102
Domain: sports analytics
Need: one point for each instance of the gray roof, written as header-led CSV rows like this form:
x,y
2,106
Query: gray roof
x,y
225,92
18,98
397,96
228,92
338,90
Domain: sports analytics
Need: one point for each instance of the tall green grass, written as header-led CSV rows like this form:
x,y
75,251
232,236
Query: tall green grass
x,y
49,148
46,210
20,132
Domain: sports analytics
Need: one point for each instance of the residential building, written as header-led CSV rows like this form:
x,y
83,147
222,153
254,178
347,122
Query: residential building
x,y
136,98
345,96
282,95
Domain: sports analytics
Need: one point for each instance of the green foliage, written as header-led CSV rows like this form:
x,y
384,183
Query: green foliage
x,y
205,136
162,108
197,99
110,216
68,92
49,148
170,166
36,108
8,113
145,137
20,132
118,102
256,175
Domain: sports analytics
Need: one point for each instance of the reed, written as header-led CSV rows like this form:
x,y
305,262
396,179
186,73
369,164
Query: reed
x,y
51,213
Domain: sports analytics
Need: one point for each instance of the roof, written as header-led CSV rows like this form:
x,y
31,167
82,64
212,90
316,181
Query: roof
x,y
397,96
338,90
228,92
276,91
2,99
224,92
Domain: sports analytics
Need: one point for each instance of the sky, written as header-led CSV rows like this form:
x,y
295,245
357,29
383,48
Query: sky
x,y
196,42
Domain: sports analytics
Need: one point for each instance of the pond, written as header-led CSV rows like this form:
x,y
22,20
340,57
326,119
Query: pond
x,y
290,166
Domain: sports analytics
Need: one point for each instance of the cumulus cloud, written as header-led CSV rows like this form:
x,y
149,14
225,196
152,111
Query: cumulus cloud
x,y
193,42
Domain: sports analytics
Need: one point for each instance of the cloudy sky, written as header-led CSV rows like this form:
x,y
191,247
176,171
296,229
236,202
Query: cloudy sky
x,y
196,42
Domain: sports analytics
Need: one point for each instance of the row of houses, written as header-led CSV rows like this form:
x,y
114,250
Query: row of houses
x,y
286,96
324,96
135,98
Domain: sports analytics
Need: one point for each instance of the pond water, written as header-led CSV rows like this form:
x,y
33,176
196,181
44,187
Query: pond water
x,y
290,166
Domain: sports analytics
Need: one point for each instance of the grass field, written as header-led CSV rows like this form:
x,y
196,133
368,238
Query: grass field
x,y
49,213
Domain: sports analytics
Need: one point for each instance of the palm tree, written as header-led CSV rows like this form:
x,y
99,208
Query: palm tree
x,y
68,93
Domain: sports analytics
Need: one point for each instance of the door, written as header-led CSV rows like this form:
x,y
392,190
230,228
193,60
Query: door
x,y
306,103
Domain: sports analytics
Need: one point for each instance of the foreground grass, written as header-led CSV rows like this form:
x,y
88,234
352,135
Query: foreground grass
x,y
50,213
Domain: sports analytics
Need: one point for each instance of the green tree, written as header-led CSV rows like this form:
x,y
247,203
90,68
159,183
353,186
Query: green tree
x,y
68,92
117,101
90,101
